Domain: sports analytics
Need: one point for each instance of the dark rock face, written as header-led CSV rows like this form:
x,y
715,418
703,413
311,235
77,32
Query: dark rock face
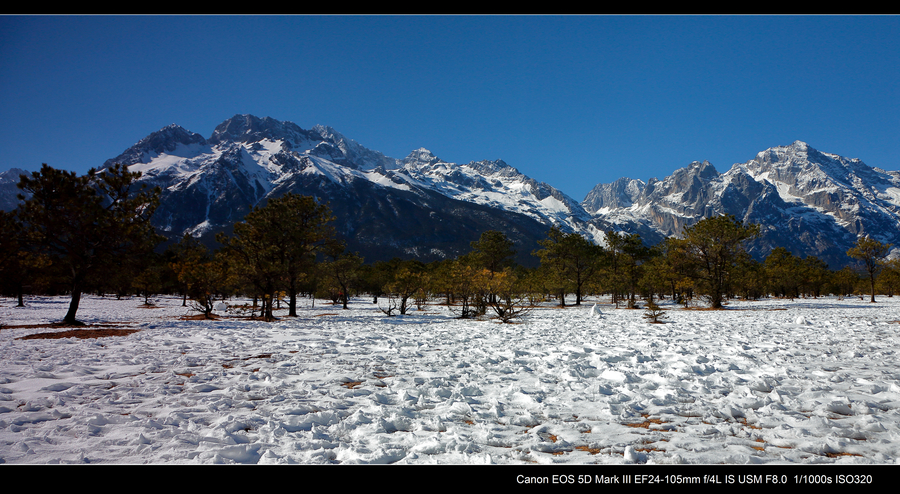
x,y
620,194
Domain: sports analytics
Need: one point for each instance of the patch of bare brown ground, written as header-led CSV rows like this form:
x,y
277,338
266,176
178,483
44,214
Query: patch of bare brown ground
x,y
100,330
200,317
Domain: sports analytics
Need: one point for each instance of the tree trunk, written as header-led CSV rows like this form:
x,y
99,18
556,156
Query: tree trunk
x,y
73,305
292,305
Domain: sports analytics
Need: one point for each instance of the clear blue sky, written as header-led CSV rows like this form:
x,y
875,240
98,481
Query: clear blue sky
x,y
569,100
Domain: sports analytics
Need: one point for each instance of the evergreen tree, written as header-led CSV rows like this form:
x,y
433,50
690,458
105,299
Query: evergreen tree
x,y
872,253
462,283
406,280
493,251
714,245
748,278
188,250
845,281
87,223
149,281
509,294
815,275
572,259
203,276
634,253
615,278
276,245
343,273
18,261
784,273
889,277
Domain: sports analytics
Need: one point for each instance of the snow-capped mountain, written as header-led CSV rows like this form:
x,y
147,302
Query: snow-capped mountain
x,y
494,184
420,205
811,203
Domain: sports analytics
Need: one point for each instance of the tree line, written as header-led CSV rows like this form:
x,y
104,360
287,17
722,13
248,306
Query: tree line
x,y
92,233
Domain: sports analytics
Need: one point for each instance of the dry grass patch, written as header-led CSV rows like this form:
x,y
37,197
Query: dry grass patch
x,y
836,454
743,421
351,384
646,423
588,449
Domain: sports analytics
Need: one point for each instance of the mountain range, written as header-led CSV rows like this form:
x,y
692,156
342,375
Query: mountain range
x,y
810,202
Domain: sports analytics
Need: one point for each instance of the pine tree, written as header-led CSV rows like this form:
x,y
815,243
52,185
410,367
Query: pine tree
x,y
275,246
203,276
614,275
571,258
18,261
493,251
343,273
872,253
407,279
508,294
889,278
87,223
784,273
714,245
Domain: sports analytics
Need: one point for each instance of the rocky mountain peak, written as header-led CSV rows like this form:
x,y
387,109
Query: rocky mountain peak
x,y
12,175
704,170
165,140
250,128
619,194
494,167
421,157
797,152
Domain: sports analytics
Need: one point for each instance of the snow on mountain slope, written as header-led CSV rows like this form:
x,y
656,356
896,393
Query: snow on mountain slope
x,y
247,157
811,203
385,207
498,185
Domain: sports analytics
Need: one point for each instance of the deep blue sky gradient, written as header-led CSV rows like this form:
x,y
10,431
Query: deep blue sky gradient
x,y
569,100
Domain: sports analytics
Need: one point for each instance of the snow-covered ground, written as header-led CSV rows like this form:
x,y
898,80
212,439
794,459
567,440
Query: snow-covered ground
x,y
808,381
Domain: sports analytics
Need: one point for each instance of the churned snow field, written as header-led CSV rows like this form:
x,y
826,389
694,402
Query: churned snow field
x,y
769,382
